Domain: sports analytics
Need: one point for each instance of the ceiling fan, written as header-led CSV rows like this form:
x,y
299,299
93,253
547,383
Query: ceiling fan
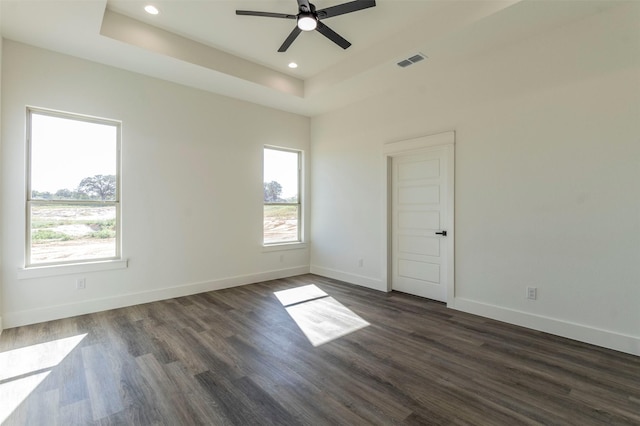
x,y
308,19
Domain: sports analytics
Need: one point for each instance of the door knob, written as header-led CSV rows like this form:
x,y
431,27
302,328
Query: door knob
x,y
443,233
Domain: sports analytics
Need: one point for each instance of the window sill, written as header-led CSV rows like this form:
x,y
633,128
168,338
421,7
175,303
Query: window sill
x,y
70,269
284,246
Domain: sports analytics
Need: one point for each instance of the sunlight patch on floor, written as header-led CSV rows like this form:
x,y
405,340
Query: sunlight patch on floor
x,y
299,294
320,317
23,369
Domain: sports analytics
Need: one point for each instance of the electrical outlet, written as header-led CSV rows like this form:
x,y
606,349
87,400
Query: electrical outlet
x,y
532,293
81,283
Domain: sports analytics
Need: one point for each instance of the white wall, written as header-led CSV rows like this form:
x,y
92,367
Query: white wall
x,y
191,185
547,177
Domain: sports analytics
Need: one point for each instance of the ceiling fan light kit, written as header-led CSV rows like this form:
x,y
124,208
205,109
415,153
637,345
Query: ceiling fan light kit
x,y
308,19
307,22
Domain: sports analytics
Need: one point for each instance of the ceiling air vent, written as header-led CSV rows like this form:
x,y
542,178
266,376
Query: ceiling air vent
x,y
412,60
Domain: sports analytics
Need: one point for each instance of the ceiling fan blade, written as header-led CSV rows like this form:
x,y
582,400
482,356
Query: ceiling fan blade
x,y
341,9
304,6
265,14
332,35
294,34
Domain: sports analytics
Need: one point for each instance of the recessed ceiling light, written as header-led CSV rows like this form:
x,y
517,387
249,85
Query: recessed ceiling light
x,y
151,10
293,65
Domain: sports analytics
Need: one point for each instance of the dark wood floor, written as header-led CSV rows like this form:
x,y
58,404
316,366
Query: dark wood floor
x,y
236,357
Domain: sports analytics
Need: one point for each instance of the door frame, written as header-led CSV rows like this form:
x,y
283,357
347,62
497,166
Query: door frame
x,y
403,148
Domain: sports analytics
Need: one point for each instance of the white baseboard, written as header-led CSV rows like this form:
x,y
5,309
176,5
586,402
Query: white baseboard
x,y
583,333
349,278
595,336
19,318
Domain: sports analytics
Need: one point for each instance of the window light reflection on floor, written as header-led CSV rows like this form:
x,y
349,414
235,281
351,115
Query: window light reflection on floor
x,y
23,369
320,317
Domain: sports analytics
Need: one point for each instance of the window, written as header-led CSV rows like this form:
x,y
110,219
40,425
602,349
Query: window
x,y
282,211
73,180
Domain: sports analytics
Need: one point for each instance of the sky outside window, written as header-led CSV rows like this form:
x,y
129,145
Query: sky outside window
x,y
63,152
282,167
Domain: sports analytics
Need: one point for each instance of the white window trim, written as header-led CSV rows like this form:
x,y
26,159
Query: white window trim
x,y
297,245
71,269
300,242
52,267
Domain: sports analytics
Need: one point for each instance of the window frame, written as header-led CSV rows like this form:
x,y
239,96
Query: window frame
x,y
30,202
299,239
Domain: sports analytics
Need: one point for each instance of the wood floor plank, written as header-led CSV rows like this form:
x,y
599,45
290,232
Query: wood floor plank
x,y
77,413
232,403
73,387
44,402
236,357
102,384
205,408
173,406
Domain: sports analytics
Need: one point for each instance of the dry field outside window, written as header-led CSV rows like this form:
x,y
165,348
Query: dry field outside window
x,y
71,232
280,223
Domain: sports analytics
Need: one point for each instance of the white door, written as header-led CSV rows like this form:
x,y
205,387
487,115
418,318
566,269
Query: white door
x,y
421,188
